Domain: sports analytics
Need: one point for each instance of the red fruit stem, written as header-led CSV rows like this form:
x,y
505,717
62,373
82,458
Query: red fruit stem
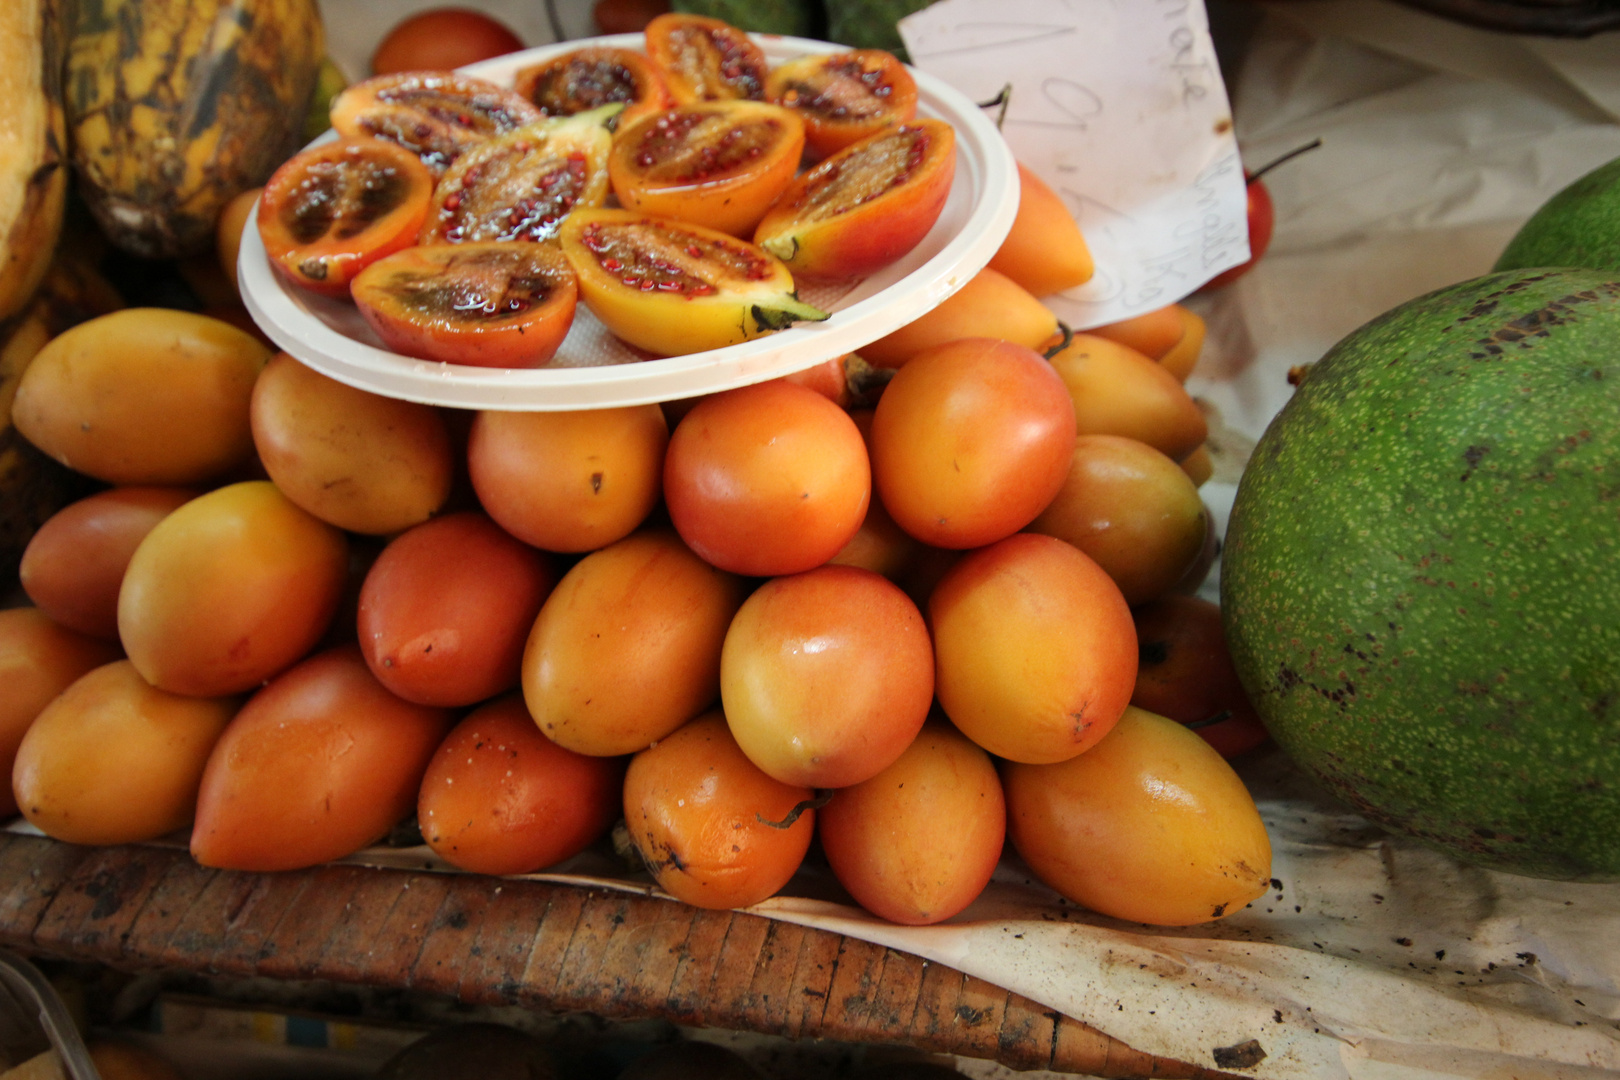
x,y
1224,714
557,32
1068,339
823,797
1002,99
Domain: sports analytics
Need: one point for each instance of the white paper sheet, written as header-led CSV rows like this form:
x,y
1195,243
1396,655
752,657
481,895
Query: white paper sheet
x,y
1120,108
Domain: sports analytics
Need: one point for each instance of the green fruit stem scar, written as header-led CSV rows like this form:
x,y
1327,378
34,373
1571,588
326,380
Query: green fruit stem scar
x,y
783,312
783,247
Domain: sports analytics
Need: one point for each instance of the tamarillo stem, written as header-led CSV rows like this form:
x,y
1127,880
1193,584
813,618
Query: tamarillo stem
x,y
822,798
1209,721
1068,337
1002,99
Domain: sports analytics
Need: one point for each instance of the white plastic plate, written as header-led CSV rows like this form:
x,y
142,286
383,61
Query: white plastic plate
x,y
593,369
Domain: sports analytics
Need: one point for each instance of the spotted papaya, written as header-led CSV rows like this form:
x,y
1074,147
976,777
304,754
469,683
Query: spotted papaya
x,y
176,106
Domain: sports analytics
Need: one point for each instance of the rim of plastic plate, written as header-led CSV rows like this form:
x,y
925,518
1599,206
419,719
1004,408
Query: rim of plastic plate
x,y
593,369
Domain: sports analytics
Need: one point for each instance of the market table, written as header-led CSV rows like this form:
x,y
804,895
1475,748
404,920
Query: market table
x,y
540,945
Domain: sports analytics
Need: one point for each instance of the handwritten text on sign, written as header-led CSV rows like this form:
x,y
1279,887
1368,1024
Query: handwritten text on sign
x,y
1119,106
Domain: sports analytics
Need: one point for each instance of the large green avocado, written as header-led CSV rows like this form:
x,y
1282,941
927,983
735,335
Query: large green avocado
x,y
1579,226
1421,578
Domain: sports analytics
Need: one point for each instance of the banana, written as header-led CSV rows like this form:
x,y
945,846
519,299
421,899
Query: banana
x,y
33,173
176,106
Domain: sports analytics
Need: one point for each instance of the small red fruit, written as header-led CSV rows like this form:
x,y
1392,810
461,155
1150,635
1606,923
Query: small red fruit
x,y
844,97
332,210
626,16
1186,674
499,797
970,441
442,38
767,479
434,114
522,184
714,829
919,841
1262,216
714,163
706,59
672,288
502,305
865,206
589,78
445,611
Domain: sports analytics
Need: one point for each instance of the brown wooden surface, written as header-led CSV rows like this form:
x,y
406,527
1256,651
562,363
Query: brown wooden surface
x,y
552,947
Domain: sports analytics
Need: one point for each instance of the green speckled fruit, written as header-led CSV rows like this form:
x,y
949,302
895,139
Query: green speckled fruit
x,y
1421,579
870,24
796,18
1579,226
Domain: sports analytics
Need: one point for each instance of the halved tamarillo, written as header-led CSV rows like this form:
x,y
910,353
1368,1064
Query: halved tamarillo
x,y
865,206
332,209
672,288
434,114
714,163
844,97
706,59
520,185
585,79
503,305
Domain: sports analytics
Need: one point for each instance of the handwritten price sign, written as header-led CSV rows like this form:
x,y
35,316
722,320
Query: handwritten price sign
x,y
1119,106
